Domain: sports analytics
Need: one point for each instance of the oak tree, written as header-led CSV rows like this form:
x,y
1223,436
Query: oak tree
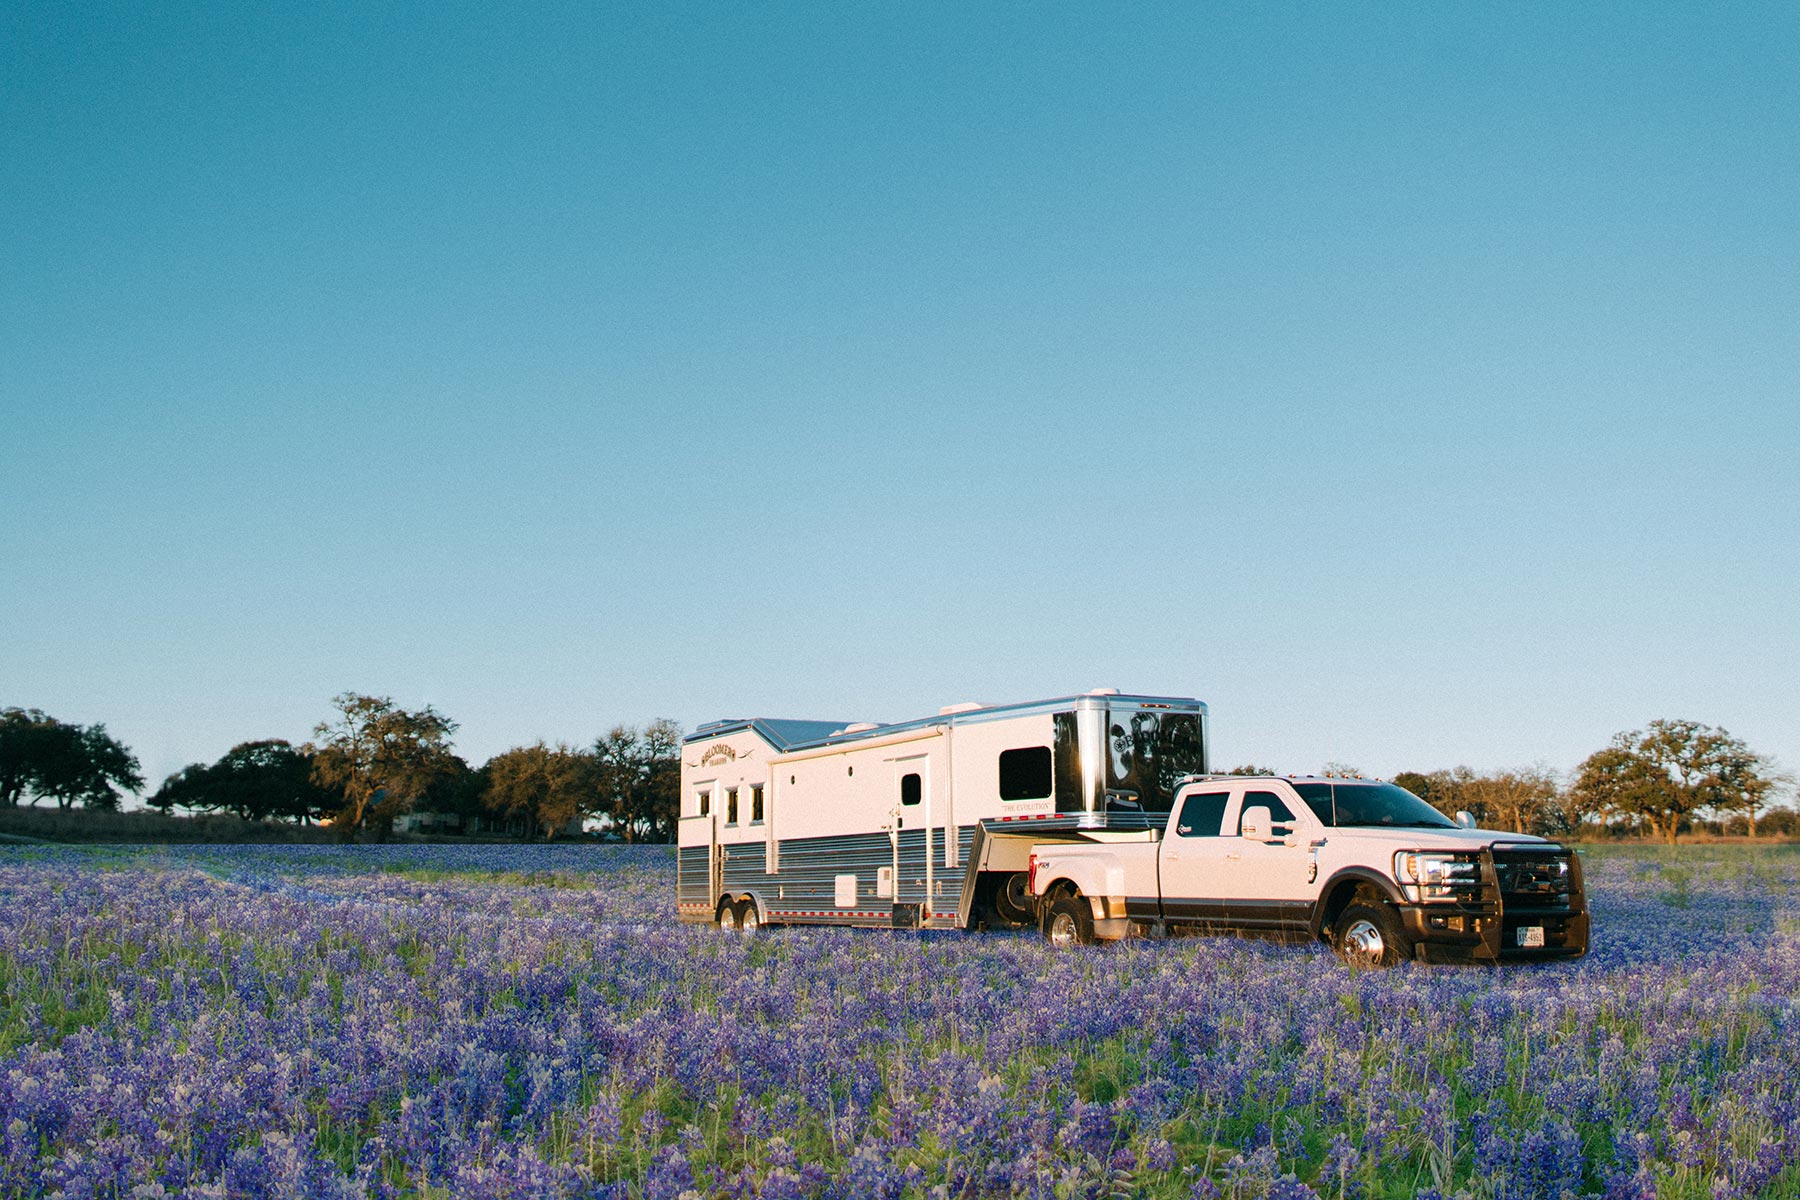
x,y
263,780
1664,776
47,759
1521,800
380,758
548,786
639,774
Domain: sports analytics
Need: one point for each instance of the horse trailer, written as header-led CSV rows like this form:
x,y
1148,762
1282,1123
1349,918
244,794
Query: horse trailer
x,y
920,824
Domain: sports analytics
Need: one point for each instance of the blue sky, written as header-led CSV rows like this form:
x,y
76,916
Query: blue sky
x,y
1417,385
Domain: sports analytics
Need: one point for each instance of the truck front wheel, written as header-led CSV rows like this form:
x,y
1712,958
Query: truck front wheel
x,y
1369,936
1069,921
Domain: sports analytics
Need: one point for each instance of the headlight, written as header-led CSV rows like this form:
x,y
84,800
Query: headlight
x,y
1432,875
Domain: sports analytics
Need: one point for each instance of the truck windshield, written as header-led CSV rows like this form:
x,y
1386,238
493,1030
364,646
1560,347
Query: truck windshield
x,y
1371,803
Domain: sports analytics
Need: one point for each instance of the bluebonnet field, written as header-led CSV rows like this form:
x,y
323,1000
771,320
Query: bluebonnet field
x,y
298,1022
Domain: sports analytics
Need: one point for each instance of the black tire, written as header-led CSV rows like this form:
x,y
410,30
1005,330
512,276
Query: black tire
x,y
1069,921
749,921
1369,936
1011,901
727,916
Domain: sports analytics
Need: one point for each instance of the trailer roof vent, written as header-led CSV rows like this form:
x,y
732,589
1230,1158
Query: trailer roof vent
x,y
965,706
861,727
1104,692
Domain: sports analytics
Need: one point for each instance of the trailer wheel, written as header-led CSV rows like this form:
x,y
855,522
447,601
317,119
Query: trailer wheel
x,y
1369,936
748,919
1012,901
1069,921
728,916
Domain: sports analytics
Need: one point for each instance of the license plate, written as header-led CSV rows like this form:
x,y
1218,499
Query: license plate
x,y
1531,935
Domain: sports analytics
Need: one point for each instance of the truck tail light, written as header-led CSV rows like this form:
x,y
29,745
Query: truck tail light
x,y
1031,876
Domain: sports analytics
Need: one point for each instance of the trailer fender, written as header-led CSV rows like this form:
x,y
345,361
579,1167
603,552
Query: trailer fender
x,y
756,895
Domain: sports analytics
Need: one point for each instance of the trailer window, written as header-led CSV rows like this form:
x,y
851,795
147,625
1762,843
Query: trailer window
x,y
1202,815
1149,752
912,788
704,795
1025,773
1069,797
756,807
731,806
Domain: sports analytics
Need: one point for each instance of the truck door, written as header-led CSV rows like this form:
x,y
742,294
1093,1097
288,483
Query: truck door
x,y
1266,879
1190,864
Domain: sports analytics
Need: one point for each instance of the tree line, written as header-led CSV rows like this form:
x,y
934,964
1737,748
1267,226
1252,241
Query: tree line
x,y
370,764
1669,778
373,762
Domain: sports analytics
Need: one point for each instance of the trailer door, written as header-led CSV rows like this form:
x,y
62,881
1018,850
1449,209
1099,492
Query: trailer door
x,y
697,867
915,879
715,860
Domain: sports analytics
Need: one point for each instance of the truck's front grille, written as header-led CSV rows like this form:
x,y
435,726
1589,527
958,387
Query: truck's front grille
x,y
1532,878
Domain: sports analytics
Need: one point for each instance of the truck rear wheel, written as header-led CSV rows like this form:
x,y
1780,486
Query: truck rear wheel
x,y
1369,936
728,916
1069,921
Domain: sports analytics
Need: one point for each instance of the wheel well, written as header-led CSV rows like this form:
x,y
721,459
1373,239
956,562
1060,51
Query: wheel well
x,y
1058,890
1343,895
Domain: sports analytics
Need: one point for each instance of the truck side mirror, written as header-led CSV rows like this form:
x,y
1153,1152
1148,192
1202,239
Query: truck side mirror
x,y
1465,820
1255,823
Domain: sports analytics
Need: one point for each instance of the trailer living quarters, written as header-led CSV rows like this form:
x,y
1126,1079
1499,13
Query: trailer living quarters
x,y
924,823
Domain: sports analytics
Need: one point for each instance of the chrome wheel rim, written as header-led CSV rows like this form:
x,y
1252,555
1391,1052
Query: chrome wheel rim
x,y
1062,930
750,921
1363,944
728,918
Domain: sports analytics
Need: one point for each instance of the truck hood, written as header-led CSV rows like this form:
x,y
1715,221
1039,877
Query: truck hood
x,y
1406,837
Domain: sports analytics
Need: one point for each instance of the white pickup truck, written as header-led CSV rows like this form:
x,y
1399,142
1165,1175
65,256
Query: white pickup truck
x,y
1367,867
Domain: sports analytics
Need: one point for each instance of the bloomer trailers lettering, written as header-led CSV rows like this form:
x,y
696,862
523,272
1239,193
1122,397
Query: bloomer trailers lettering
x,y
926,823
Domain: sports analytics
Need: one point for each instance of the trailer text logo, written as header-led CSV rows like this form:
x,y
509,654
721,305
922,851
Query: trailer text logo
x,y
718,752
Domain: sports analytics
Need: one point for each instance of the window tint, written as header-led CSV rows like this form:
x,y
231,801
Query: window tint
x,y
1278,809
731,806
912,788
1318,798
1202,815
1025,774
756,810
1372,804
